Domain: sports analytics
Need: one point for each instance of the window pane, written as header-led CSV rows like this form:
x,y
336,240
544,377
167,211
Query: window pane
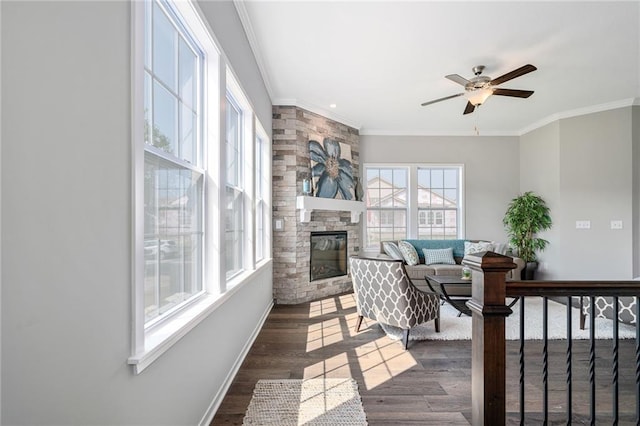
x,y
188,122
187,74
233,145
233,231
165,117
437,178
147,108
164,48
451,178
173,235
451,198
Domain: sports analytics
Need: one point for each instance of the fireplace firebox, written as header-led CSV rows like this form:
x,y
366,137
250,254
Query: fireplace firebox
x,y
328,254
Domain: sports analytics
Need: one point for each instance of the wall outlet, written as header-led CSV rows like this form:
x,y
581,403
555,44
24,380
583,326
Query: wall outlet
x,y
616,224
583,224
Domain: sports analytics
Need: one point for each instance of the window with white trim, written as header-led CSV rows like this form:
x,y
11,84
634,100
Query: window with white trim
x,y
234,226
262,192
194,173
438,195
412,201
386,203
173,169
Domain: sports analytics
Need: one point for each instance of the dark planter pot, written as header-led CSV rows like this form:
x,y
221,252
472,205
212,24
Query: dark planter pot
x,y
529,271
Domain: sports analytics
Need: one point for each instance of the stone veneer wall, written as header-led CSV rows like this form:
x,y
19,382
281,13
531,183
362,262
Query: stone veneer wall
x,y
293,127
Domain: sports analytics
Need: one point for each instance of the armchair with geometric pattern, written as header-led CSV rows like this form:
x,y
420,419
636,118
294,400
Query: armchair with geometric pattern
x,y
384,293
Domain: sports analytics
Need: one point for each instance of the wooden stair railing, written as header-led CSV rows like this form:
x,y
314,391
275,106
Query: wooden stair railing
x,y
489,311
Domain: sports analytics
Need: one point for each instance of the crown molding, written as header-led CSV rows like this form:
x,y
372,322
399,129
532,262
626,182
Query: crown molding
x,y
243,14
317,110
578,112
382,132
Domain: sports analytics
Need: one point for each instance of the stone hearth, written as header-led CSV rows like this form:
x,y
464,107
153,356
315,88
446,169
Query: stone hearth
x,y
292,129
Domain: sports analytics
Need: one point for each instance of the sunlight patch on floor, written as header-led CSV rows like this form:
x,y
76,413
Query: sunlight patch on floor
x,y
334,367
351,320
381,360
322,307
347,301
324,333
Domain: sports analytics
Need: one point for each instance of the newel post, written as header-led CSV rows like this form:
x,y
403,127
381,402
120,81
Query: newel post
x,y
488,350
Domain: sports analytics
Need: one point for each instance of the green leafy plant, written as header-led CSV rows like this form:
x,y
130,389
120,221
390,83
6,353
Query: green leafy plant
x,y
527,215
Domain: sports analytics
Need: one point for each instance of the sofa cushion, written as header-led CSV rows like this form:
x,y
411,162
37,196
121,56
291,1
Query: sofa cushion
x,y
435,256
409,253
455,270
392,250
456,245
417,272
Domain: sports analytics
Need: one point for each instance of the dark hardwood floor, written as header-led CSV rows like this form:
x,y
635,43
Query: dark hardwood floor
x,y
430,384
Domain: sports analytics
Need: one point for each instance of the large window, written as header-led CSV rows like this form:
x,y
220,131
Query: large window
x,y
412,201
438,194
201,180
386,201
234,227
173,173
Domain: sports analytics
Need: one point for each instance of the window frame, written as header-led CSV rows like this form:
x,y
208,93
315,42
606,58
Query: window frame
x,y
412,209
149,343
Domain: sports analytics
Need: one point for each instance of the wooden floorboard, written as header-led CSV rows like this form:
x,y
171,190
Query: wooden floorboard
x,y
429,384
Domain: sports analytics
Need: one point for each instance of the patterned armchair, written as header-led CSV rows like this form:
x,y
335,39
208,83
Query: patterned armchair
x,y
384,293
604,309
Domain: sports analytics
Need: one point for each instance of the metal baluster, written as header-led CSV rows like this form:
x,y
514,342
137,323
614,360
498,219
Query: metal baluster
x,y
521,352
569,349
638,360
615,361
592,359
545,361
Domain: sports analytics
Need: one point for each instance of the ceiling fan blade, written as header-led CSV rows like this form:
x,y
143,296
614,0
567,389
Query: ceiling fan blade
x,y
442,99
457,79
469,108
513,92
525,69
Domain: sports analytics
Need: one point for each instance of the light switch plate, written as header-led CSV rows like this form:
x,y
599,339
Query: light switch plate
x,y
583,224
616,224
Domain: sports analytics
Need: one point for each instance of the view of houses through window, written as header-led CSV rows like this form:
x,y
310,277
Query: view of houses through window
x,y
413,201
199,180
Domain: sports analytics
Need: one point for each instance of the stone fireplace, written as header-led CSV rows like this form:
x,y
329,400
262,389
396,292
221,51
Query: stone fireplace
x,y
293,127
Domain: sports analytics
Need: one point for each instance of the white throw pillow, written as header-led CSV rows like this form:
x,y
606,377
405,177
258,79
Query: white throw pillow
x,y
392,250
470,248
444,256
409,253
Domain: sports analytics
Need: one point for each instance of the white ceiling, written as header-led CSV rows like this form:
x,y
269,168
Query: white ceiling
x,y
379,60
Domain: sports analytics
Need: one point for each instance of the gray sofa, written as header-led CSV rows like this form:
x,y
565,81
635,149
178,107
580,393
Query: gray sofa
x,y
417,272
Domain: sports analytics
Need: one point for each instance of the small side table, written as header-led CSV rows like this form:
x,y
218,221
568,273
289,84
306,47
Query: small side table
x,y
460,289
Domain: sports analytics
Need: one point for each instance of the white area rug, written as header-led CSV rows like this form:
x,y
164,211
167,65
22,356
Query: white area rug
x,y
312,402
454,328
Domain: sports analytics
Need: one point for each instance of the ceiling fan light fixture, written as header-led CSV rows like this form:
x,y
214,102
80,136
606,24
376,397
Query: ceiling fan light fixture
x,y
477,97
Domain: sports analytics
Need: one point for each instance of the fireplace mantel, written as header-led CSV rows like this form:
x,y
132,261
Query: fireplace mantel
x,y
308,204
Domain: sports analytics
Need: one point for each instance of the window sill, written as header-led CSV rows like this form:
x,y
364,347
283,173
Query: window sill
x,y
164,336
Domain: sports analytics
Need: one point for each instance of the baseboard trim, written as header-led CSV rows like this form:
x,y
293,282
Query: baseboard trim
x,y
217,400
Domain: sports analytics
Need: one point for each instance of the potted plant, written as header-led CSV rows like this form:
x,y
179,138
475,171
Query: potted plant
x,y
526,216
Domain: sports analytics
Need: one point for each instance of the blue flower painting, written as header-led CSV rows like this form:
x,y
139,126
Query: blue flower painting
x,y
331,169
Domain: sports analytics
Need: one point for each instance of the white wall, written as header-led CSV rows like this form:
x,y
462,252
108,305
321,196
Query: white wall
x,y
491,166
66,222
540,173
584,166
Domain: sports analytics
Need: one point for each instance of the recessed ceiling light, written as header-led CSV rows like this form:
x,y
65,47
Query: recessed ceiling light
x,y
333,106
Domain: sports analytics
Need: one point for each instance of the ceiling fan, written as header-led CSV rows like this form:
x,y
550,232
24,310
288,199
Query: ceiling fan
x,y
480,87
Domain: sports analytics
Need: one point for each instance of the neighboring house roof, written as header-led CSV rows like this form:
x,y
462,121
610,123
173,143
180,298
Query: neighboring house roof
x,y
391,196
